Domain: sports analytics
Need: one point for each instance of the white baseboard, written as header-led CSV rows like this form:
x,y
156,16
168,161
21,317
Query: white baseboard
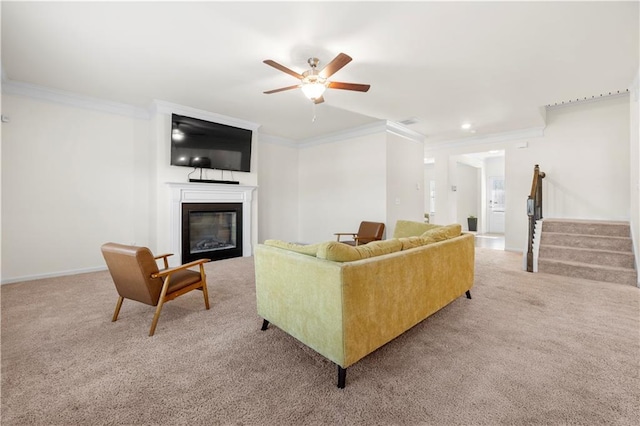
x,y
52,275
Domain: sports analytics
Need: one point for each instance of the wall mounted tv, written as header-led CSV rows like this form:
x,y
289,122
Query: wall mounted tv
x,y
203,144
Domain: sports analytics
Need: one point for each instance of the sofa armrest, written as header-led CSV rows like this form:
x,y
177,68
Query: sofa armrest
x,y
302,295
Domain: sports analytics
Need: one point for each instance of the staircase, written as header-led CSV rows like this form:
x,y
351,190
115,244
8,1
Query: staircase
x,y
593,250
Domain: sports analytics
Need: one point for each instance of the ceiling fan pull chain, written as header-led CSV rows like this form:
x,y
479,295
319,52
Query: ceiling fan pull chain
x,y
313,119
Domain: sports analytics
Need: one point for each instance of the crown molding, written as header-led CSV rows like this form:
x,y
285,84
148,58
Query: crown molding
x,y
533,132
380,126
602,97
164,107
11,87
401,130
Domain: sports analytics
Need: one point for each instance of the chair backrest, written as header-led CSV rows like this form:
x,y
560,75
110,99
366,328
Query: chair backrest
x,y
131,268
370,231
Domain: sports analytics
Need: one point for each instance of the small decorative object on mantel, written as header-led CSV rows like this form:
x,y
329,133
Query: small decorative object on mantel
x,y
472,222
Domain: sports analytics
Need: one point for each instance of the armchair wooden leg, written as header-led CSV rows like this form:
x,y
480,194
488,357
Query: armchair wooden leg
x,y
205,292
117,311
156,317
161,299
468,293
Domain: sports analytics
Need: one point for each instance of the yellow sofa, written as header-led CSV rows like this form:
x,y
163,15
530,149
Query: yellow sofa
x,y
345,310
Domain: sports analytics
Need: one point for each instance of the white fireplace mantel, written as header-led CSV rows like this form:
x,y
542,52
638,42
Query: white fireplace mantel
x,y
194,192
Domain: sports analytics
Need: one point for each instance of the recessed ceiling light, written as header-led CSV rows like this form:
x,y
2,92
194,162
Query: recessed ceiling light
x,y
466,126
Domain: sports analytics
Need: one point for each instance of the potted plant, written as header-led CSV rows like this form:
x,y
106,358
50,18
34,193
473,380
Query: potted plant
x,y
472,221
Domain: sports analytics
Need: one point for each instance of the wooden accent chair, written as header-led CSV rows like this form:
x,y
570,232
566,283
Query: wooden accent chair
x,y
367,232
137,277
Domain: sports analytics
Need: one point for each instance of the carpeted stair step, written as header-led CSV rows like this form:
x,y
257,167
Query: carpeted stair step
x,y
588,271
587,255
587,227
598,242
593,250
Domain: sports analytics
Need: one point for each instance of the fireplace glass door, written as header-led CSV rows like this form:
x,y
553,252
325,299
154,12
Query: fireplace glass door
x,y
211,230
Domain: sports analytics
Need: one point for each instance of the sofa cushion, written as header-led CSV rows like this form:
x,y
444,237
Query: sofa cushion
x,y
411,242
308,249
340,252
442,233
408,228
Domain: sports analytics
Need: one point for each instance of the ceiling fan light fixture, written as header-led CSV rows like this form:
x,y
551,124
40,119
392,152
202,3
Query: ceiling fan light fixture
x,y
313,90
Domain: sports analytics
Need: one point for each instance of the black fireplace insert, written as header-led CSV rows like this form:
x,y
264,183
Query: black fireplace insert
x,y
211,230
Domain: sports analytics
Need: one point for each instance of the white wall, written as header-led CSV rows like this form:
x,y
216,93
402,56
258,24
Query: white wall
x,y
278,191
429,175
467,193
405,176
70,182
341,184
634,163
77,173
584,152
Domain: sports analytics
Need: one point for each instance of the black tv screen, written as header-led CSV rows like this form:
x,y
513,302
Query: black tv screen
x,y
203,144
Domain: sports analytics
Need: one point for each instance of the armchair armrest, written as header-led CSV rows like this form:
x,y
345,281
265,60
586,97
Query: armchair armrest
x,y
164,257
170,271
339,234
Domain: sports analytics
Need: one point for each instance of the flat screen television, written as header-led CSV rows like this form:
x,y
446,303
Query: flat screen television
x,y
203,144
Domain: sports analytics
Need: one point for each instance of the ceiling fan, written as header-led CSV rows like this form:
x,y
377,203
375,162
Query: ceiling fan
x,y
313,82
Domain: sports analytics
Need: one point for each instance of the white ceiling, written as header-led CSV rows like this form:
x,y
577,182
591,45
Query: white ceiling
x,y
493,64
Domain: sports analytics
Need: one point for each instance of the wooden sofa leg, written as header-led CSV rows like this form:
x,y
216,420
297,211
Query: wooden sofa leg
x,y
468,293
342,377
265,325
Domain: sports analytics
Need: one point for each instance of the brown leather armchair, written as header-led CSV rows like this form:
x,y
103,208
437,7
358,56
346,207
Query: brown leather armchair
x,y
367,232
137,277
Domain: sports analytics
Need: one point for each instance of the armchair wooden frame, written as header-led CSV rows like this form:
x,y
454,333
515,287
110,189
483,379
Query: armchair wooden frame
x,y
368,232
353,235
179,277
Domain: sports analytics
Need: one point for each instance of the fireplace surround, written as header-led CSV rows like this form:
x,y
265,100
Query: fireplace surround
x,y
217,210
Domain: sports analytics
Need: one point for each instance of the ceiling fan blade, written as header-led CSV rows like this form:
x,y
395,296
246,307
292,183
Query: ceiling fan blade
x,y
319,100
283,68
349,86
282,89
334,66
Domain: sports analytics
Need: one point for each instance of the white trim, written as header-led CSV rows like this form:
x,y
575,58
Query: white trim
x,y
364,130
164,107
54,274
367,129
602,97
72,99
401,130
533,132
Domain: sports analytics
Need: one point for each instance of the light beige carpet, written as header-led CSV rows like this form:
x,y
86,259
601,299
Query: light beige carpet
x,y
527,349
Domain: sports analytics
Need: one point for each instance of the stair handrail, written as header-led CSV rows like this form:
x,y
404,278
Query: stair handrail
x,y
534,211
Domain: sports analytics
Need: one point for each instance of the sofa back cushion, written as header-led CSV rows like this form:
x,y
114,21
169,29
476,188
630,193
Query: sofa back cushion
x,y
340,252
408,228
308,249
442,233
